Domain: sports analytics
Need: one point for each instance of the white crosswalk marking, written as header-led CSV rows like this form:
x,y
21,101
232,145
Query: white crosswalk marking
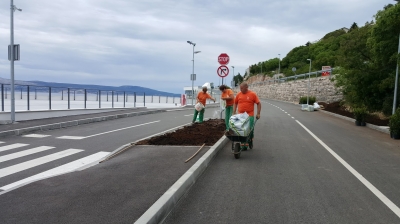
x,y
75,165
36,136
12,146
36,162
24,153
72,137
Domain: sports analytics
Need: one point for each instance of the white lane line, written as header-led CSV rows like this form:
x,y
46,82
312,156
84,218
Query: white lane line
x,y
293,117
72,137
366,183
12,146
36,136
1,142
188,115
24,153
122,129
36,162
69,167
83,137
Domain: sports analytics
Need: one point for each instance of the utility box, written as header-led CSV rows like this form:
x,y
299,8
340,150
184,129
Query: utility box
x,y
310,108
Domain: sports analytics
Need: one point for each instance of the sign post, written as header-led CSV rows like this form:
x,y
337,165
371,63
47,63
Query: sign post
x,y
223,70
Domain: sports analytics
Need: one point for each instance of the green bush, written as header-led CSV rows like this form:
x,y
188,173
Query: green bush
x,y
303,100
360,113
394,122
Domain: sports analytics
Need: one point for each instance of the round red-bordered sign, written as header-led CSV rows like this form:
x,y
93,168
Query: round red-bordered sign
x,y
222,71
223,59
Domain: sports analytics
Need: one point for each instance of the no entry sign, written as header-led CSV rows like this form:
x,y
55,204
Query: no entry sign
x,y
222,71
223,59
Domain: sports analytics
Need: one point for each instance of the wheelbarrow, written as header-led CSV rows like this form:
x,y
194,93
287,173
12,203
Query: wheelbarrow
x,y
237,140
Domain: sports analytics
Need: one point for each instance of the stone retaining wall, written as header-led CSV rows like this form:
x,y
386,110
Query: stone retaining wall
x,y
321,87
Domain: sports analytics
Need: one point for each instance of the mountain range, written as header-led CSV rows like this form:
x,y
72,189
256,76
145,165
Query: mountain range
x,y
137,89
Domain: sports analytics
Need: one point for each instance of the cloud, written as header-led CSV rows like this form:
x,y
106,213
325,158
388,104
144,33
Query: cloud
x,y
143,42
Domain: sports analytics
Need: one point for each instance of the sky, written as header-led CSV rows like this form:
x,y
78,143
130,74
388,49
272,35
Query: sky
x,y
144,42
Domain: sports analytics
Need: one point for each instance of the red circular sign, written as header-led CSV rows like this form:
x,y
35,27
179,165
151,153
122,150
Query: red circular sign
x,y
223,59
222,71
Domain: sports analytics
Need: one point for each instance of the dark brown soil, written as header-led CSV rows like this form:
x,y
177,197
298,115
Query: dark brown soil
x,y
208,132
338,109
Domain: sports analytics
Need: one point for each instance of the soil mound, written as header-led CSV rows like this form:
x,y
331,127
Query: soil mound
x,y
208,132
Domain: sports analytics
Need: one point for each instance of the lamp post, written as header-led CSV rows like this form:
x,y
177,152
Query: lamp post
x,y
309,73
233,67
192,77
279,70
397,79
12,9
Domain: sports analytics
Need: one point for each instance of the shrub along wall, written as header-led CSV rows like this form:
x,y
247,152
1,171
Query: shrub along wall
x,y
321,87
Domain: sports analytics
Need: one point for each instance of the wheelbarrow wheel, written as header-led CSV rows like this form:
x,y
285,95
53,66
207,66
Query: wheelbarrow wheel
x,y
251,144
236,150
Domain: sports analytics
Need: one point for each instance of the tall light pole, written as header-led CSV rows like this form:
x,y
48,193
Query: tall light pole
x,y
397,79
279,70
192,77
233,76
309,73
12,9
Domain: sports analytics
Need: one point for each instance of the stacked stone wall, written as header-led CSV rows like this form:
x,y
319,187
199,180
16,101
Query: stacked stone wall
x,y
322,88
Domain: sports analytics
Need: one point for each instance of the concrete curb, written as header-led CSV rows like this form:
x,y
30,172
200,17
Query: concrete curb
x,y
164,205
60,125
384,129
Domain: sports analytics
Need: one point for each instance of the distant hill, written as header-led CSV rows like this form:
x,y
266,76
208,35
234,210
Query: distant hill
x,y
136,89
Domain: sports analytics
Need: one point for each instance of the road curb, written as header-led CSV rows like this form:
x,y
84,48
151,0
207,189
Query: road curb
x,y
375,127
164,205
66,124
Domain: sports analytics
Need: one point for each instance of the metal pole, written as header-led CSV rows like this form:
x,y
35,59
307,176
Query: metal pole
x,y
112,98
308,89
2,97
85,98
12,60
124,98
279,70
49,98
99,98
27,96
193,76
144,99
397,78
69,106
134,99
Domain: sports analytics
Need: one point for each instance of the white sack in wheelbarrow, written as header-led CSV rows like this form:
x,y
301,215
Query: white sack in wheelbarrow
x,y
199,106
240,124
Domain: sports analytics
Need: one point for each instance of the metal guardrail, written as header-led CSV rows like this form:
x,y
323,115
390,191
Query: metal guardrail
x,y
56,95
294,78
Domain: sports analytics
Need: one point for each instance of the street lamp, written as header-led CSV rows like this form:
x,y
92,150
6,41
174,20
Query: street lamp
x,y
397,79
192,77
279,70
12,10
309,73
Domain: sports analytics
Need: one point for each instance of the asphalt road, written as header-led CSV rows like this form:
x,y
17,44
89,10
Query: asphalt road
x,y
306,167
81,141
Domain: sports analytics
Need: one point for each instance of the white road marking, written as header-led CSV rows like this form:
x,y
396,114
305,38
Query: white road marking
x,y
83,137
366,183
1,142
36,136
293,117
36,162
122,129
24,153
72,137
12,146
69,167
188,115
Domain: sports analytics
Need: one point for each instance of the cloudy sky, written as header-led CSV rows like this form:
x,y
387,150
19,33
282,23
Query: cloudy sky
x,y
143,42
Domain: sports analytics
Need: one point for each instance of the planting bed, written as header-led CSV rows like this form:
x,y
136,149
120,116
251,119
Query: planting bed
x,y
338,109
208,132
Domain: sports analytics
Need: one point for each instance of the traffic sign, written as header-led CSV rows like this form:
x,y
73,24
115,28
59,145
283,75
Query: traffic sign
x,y
326,73
223,59
222,71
